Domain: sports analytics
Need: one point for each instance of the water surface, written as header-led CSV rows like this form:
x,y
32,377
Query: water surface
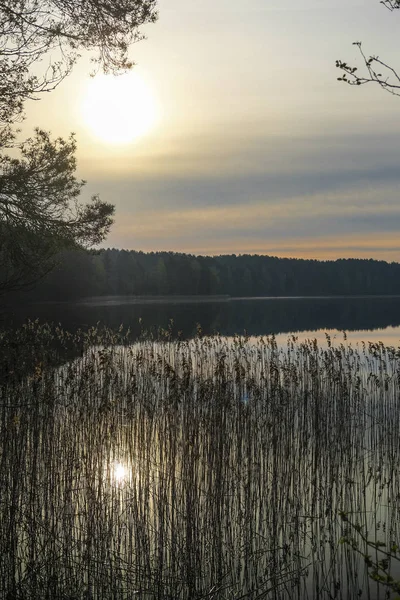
x,y
208,468
365,318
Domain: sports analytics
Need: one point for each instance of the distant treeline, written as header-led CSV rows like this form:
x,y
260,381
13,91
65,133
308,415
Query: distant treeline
x,y
123,272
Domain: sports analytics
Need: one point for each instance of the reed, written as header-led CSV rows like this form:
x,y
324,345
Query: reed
x,y
208,468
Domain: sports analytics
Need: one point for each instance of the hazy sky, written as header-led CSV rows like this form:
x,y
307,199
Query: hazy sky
x,y
256,147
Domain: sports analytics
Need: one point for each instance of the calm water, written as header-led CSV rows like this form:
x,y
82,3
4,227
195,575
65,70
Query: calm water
x,y
364,318
200,469
212,468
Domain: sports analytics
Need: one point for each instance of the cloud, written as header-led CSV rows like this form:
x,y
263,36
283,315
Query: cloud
x,y
341,223
268,195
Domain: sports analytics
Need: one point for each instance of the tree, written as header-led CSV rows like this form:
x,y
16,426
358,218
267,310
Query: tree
x,y
40,207
376,70
32,29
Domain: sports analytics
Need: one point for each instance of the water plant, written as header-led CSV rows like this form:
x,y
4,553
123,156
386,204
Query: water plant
x,y
380,561
187,469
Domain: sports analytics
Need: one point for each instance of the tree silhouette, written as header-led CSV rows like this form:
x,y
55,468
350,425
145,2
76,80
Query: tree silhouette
x,y
40,207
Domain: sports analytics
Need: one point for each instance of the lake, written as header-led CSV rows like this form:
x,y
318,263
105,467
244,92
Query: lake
x,y
368,318
214,467
206,468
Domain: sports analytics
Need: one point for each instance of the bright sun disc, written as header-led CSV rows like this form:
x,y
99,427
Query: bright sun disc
x,y
119,109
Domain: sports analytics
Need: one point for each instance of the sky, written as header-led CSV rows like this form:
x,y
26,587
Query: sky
x,y
255,147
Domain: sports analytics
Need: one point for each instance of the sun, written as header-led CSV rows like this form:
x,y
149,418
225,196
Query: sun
x,y
119,109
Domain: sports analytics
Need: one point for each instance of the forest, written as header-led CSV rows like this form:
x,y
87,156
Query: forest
x,y
80,274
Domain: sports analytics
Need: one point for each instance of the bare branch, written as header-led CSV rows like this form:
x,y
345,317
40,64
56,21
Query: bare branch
x,y
376,70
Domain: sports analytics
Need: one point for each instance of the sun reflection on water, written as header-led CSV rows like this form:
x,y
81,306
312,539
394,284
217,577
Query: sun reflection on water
x,y
120,472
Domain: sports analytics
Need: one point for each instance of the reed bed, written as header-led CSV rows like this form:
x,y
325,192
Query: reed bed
x,y
211,468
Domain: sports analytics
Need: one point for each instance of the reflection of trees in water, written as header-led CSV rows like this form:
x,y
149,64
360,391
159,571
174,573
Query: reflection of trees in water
x,y
238,457
30,349
257,317
309,314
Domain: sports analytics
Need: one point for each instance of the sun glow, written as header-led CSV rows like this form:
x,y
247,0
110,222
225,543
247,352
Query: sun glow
x,y
119,109
120,472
